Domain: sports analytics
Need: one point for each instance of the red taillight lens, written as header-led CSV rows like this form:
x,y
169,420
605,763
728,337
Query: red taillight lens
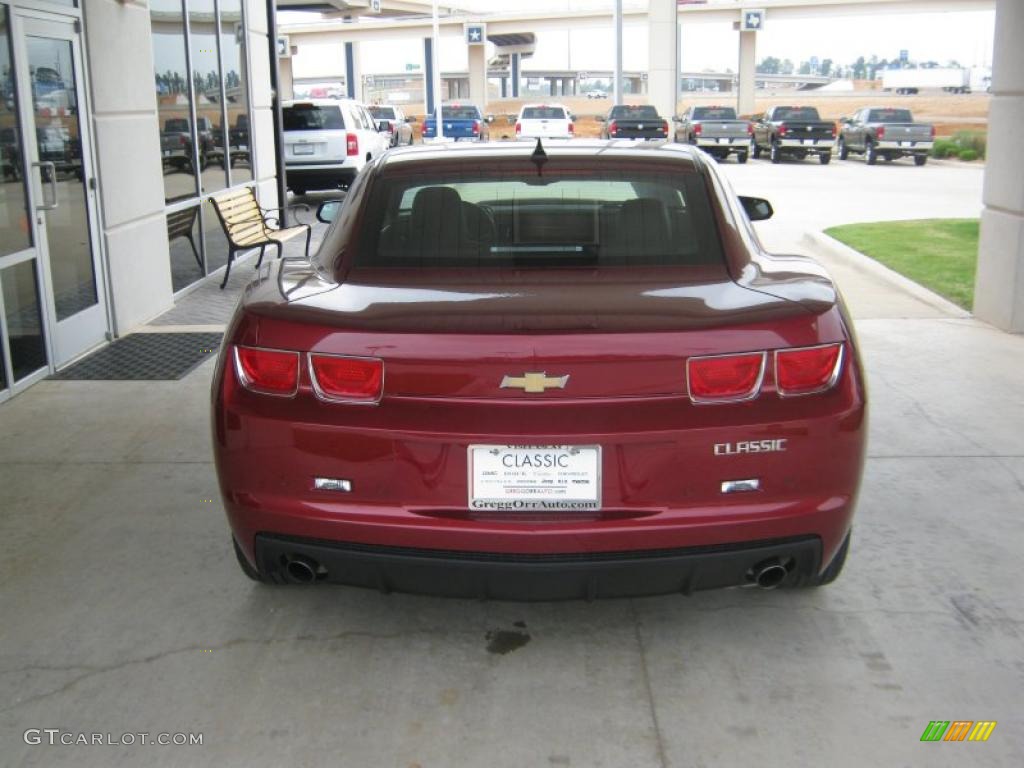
x,y
725,378
613,128
933,131
391,127
833,131
268,371
351,144
880,132
347,379
750,129
476,127
572,128
698,129
519,127
782,128
809,370
664,127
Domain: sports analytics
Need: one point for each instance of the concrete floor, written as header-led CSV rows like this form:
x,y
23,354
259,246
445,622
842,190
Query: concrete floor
x,y
123,610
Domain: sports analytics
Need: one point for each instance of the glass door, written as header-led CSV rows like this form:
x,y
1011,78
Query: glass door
x,y
23,343
49,72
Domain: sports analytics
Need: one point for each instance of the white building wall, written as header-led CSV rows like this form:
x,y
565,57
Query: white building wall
x,y
129,171
265,171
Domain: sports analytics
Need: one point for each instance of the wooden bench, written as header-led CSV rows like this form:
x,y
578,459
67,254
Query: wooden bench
x,y
180,224
247,225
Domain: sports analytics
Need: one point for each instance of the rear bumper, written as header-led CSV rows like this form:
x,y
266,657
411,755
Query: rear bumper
x,y
537,577
726,142
808,145
320,176
908,147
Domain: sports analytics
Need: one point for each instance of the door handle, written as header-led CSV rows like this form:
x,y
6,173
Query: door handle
x,y
53,184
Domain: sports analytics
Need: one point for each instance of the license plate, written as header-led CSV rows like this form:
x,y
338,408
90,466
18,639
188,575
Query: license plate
x,y
302,149
723,141
808,141
535,478
906,143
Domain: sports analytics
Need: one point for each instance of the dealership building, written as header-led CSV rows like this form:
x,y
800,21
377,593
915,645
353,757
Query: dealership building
x,y
119,119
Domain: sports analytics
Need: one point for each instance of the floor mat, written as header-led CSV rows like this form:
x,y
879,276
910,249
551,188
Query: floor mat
x,y
145,356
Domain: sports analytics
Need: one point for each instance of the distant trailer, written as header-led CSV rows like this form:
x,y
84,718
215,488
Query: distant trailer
x,y
910,81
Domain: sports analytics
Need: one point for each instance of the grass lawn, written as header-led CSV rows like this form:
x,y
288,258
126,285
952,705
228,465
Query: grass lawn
x,y
940,254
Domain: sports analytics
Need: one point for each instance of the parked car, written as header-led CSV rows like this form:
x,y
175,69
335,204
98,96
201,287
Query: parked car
x,y
793,132
327,142
461,122
633,121
544,121
510,374
597,95
238,139
716,130
176,143
399,129
885,132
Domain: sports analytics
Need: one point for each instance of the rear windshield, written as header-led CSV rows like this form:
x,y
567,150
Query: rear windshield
x,y
510,217
543,113
459,113
309,117
176,125
890,116
796,113
382,113
640,112
714,113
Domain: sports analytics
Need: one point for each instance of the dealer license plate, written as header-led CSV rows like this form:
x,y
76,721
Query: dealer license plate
x,y
534,478
302,149
723,141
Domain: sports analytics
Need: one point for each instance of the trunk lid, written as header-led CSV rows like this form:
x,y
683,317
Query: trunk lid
x,y
723,129
907,132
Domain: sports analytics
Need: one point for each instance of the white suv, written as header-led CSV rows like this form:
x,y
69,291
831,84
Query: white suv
x,y
544,121
327,142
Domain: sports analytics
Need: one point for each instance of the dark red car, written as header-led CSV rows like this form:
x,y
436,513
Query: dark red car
x,y
529,372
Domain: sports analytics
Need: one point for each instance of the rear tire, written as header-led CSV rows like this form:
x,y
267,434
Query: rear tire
x,y
755,151
825,158
843,151
920,159
775,155
741,157
245,565
870,154
831,573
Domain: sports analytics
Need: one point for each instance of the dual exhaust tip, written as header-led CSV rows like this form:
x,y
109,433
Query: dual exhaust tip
x,y
300,569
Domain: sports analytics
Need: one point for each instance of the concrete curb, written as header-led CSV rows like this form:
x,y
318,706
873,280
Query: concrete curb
x,y
831,246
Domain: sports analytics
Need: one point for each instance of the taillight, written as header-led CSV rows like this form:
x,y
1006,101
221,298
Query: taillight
x,y
933,131
613,128
268,371
750,129
782,128
725,378
572,127
351,144
519,127
426,128
880,132
476,127
664,127
342,379
808,370
391,127
698,129
833,130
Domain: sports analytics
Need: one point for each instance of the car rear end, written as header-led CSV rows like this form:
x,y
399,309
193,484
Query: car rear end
x,y
383,114
639,122
459,122
320,150
533,390
895,133
540,121
716,130
801,131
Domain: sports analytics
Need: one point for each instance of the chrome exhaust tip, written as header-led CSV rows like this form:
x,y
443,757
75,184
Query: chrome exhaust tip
x,y
770,574
301,570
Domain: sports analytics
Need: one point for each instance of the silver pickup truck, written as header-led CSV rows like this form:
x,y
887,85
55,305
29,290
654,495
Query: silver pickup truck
x,y
885,132
716,130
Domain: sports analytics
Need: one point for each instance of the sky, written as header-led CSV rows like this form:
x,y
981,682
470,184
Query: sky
x,y
965,36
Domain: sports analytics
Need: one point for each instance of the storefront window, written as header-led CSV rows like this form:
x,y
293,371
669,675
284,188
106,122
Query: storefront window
x,y
14,230
202,24
174,108
236,90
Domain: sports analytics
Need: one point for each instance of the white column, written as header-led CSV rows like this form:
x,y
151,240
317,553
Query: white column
x,y
285,84
662,38
999,286
478,75
747,72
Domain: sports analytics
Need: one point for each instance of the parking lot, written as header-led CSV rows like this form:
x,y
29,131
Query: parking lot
x,y
124,610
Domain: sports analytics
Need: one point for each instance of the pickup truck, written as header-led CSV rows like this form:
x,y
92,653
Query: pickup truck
x,y
793,132
627,121
716,130
544,121
461,122
885,132
176,143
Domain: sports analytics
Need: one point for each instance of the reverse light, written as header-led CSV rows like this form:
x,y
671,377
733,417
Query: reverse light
x,y
808,370
343,379
725,378
351,144
267,371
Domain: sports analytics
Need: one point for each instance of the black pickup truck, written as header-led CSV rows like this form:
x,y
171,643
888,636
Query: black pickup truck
x,y
176,143
640,121
885,132
793,132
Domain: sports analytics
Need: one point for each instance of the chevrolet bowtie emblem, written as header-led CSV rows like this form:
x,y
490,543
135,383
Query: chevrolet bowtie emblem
x,y
534,382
